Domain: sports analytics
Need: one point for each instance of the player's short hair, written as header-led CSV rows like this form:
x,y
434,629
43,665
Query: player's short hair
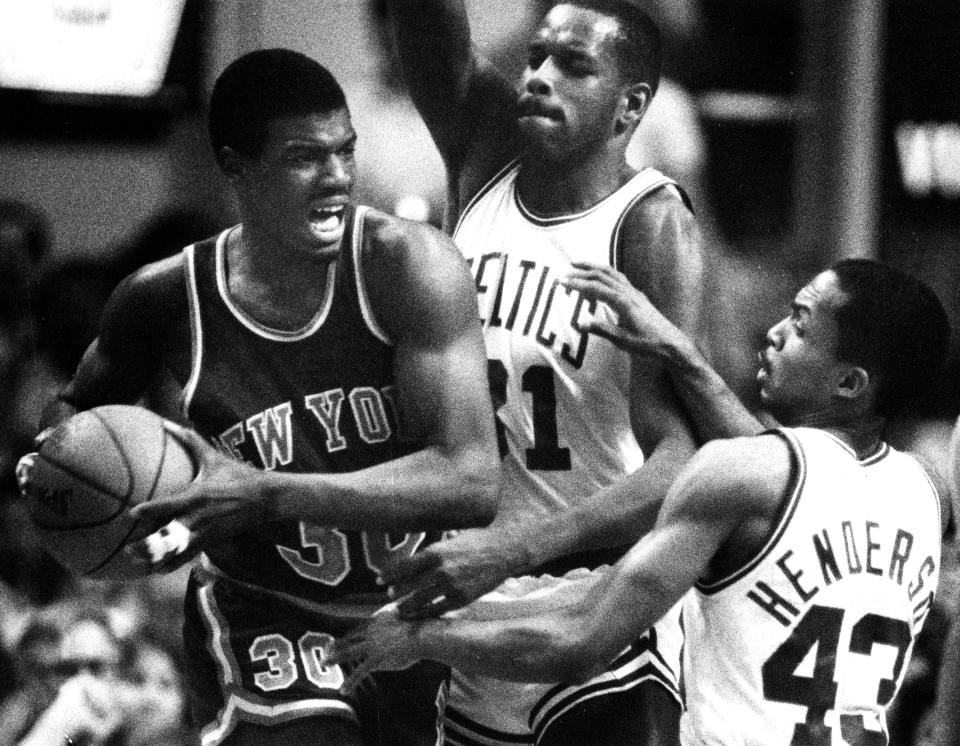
x,y
264,85
639,43
893,326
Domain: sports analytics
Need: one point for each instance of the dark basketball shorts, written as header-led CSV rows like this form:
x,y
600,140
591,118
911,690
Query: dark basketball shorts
x,y
252,658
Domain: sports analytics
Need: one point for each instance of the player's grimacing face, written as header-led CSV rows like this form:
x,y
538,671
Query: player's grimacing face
x,y
298,186
571,86
799,368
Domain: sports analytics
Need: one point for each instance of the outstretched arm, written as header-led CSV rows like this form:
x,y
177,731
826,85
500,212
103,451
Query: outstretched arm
x,y
725,484
465,102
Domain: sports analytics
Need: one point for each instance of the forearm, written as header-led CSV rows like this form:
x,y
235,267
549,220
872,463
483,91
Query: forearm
x,y
428,489
616,515
433,41
527,649
715,410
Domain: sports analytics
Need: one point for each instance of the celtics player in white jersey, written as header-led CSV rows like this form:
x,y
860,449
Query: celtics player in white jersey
x,y
538,180
813,550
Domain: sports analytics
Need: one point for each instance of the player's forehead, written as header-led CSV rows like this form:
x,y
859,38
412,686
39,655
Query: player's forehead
x,y
573,27
821,295
331,129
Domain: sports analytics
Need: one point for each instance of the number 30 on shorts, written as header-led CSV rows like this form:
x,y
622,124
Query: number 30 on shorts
x,y
282,659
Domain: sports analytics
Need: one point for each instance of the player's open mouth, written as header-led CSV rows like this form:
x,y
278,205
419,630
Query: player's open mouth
x,y
528,106
326,222
763,367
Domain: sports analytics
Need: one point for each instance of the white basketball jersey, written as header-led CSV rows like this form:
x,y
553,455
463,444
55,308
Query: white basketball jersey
x,y
561,395
809,642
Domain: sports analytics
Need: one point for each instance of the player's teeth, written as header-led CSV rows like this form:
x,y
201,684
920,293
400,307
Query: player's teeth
x,y
326,220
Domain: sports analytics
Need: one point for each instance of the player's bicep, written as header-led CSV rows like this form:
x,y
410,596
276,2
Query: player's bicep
x,y
710,497
443,392
120,363
662,255
440,359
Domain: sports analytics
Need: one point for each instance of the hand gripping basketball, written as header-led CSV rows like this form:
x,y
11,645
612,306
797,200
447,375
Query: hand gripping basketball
x,y
225,498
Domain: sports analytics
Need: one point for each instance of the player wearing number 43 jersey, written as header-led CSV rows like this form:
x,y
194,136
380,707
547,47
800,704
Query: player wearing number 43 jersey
x,y
335,349
806,556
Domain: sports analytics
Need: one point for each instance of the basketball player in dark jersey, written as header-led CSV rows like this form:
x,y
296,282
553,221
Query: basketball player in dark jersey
x,y
538,178
334,348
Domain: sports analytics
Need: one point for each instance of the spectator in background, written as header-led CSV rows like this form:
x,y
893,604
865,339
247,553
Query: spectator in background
x,y
78,680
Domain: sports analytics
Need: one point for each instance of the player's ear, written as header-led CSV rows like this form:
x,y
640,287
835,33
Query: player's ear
x,y
634,100
854,382
230,162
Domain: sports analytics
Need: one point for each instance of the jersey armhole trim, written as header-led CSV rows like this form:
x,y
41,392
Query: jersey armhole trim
x,y
494,180
363,297
261,330
794,489
616,259
196,328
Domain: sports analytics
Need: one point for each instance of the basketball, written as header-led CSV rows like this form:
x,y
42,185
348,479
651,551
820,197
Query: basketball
x,y
89,471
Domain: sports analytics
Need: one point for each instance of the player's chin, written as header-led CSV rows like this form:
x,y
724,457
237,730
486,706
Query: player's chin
x,y
543,137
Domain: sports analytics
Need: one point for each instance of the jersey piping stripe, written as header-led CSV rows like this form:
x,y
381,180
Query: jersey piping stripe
x,y
547,222
878,454
642,660
277,335
647,673
472,733
615,236
239,710
935,492
799,479
497,177
241,705
196,329
356,247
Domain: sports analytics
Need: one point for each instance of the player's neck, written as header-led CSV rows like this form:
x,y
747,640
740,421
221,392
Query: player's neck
x,y
549,188
279,288
862,433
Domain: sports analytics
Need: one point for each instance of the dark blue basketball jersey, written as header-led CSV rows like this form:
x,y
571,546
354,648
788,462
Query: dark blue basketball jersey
x,y
317,399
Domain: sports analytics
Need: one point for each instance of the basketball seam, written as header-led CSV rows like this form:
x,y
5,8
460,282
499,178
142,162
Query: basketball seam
x,y
123,455
89,483
156,480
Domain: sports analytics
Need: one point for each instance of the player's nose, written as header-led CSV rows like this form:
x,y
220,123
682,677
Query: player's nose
x,y
335,174
774,336
538,80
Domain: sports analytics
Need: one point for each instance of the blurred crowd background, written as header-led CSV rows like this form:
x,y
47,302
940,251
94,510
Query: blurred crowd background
x,y
805,130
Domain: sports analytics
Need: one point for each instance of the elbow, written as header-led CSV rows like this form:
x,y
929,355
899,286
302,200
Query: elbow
x,y
571,660
473,486
479,483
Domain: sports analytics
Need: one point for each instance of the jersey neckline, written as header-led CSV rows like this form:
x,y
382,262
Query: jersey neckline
x,y
277,335
548,222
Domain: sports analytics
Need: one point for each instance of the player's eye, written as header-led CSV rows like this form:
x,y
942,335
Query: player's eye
x,y
536,58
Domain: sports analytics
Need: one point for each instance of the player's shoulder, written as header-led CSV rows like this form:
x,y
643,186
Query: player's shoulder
x,y
411,269
158,287
753,469
663,208
937,478
399,241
